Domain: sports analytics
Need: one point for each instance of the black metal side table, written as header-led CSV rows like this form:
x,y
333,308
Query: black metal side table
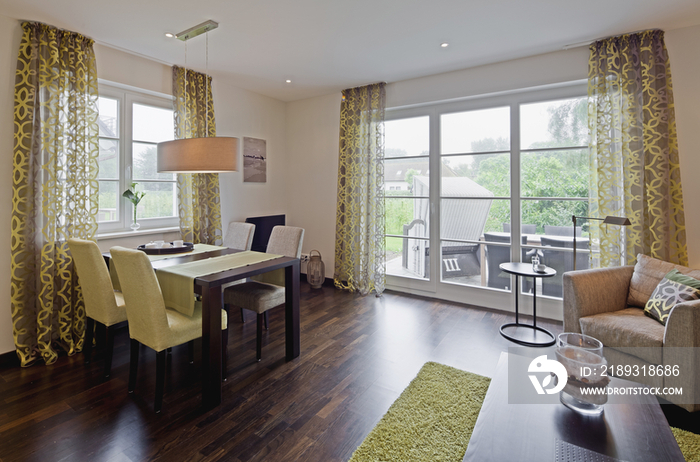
x,y
526,334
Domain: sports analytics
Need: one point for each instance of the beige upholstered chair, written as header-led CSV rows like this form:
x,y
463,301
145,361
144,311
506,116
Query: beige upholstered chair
x,y
150,322
607,303
267,291
239,235
102,303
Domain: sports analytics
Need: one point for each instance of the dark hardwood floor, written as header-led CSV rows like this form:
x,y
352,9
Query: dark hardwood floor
x,y
358,354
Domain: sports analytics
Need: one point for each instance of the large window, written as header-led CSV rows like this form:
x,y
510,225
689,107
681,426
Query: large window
x,y
518,158
131,125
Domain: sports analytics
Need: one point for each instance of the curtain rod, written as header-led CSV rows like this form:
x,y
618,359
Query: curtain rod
x,y
588,42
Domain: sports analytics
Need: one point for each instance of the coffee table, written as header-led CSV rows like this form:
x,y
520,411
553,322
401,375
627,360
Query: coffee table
x,y
633,432
527,334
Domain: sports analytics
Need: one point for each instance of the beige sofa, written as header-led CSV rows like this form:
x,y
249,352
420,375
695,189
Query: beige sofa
x,y
608,304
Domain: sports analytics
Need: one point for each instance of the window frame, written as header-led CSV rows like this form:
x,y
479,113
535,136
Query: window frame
x,y
435,286
126,97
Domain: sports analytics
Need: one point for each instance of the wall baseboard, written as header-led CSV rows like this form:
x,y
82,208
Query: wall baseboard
x,y
9,359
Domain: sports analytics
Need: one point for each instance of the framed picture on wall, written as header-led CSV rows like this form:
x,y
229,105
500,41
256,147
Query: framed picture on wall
x,y
254,160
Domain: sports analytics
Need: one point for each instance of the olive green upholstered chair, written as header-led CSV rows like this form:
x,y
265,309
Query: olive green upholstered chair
x,y
103,304
239,235
267,290
150,322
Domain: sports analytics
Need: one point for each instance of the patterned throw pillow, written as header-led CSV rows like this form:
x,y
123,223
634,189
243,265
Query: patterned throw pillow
x,y
674,288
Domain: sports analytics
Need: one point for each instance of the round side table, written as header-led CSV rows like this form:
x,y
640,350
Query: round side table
x,y
527,334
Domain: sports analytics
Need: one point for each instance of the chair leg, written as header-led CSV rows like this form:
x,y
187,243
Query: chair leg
x,y
109,350
266,324
242,316
259,337
190,351
160,380
100,335
87,345
133,364
224,355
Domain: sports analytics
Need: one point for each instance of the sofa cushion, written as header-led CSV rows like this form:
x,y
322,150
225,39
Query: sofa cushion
x,y
648,272
628,328
673,288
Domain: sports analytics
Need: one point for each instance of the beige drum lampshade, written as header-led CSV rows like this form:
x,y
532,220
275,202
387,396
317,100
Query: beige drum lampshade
x,y
198,155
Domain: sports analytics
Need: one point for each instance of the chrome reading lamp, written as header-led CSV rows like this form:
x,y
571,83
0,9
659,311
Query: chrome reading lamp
x,y
198,155
609,220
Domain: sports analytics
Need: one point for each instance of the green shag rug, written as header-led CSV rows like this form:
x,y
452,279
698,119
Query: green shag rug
x,y
689,444
434,417
432,420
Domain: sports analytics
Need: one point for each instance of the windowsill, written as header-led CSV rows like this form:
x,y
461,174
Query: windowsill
x,y
140,232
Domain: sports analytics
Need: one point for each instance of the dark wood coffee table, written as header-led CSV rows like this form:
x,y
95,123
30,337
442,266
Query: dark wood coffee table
x,y
529,432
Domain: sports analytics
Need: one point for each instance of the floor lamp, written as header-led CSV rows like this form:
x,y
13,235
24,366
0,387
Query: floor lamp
x,y
609,220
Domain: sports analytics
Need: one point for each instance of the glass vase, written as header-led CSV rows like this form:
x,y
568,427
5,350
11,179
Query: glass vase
x,y
582,357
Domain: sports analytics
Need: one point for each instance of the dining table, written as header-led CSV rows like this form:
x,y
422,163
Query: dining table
x,y
210,287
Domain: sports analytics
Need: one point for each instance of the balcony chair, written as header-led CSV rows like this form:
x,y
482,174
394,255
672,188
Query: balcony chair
x,y
562,261
550,230
497,254
526,229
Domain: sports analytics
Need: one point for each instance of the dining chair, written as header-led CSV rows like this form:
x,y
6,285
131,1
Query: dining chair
x,y
150,322
103,304
239,235
266,291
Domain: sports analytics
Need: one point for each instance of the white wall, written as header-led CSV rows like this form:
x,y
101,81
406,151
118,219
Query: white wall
x,y
684,52
10,36
241,113
313,127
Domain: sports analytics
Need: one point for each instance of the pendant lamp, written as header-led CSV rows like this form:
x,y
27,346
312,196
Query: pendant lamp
x,y
198,155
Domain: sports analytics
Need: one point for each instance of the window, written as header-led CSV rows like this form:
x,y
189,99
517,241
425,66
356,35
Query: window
x,y
131,124
519,155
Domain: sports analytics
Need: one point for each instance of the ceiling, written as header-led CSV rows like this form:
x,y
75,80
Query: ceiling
x,y
324,46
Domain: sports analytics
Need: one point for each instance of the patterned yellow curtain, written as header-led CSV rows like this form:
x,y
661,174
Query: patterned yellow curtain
x,y
198,193
635,170
55,188
359,234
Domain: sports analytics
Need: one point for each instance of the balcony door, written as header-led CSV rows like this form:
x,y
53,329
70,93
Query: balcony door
x,y
469,185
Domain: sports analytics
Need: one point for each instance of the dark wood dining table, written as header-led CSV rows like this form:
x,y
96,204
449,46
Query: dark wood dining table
x,y
210,288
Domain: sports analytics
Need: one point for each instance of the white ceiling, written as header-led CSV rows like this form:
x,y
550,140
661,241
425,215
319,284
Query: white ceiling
x,y
324,46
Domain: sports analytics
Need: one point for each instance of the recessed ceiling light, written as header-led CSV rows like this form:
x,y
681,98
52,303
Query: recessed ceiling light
x,y
169,35
444,44
288,81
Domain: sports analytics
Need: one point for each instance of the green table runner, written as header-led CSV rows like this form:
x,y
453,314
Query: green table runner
x,y
177,282
198,248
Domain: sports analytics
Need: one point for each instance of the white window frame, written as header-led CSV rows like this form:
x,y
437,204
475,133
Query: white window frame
x,y
482,296
127,96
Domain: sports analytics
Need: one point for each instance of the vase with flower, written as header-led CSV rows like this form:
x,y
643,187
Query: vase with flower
x,y
134,197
